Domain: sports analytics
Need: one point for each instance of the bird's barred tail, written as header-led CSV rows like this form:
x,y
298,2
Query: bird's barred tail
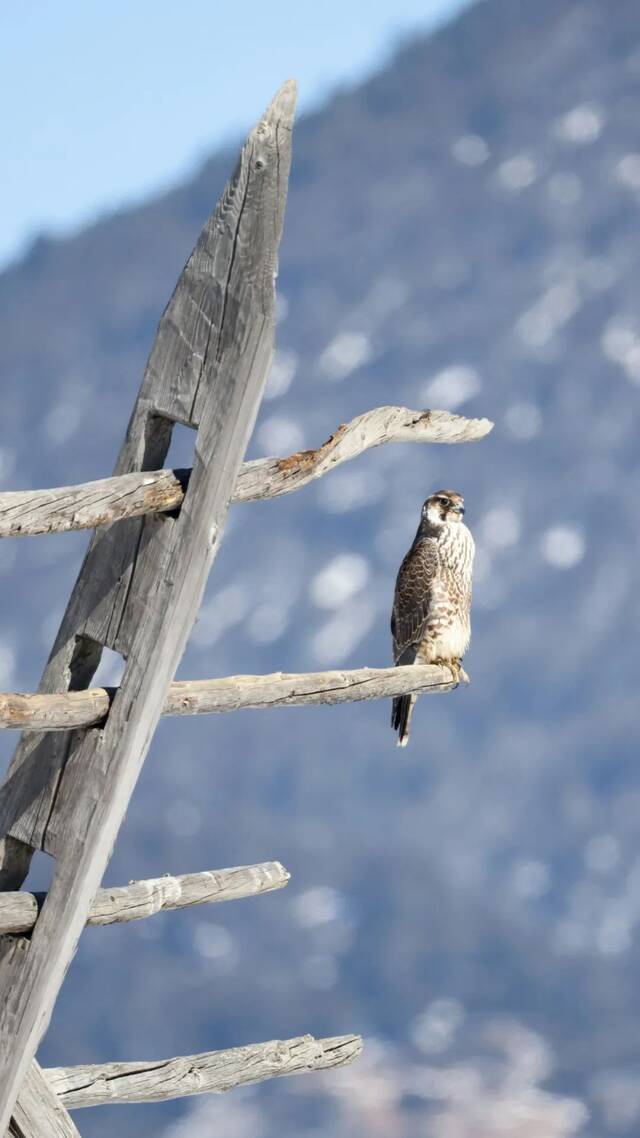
x,y
401,711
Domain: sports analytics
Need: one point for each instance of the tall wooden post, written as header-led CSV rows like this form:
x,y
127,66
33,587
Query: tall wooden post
x,y
141,583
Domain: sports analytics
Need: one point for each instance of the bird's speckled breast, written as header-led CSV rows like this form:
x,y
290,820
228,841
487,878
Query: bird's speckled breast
x,y
448,630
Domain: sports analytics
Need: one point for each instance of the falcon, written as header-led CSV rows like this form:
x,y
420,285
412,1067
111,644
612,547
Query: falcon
x,y
430,621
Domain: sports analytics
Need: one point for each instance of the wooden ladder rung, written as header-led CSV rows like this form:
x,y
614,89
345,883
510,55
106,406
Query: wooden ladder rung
x,y
19,911
63,711
209,1072
24,513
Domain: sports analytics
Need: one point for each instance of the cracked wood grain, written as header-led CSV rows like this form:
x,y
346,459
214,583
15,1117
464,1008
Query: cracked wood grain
x,y
212,1072
140,899
39,1111
141,583
64,710
25,513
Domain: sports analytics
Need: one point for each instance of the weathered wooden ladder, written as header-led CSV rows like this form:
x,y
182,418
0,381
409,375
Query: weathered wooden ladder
x,y
138,593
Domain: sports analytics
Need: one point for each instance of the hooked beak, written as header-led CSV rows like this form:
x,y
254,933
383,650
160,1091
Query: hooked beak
x,y
458,509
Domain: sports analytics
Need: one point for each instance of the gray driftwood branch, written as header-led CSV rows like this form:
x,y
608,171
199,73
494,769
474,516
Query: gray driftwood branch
x,y
29,512
62,711
211,1072
19,911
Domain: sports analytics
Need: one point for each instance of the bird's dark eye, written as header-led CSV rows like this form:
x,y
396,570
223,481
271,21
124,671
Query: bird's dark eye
x,y
443,501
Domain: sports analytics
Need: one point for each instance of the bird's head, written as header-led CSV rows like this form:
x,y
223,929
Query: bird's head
x,y
445,507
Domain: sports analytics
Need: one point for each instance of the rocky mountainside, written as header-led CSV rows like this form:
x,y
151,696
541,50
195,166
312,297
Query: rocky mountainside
x,y
463,231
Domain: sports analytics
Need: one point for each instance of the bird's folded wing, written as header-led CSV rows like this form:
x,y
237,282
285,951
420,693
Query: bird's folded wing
x,y
412,600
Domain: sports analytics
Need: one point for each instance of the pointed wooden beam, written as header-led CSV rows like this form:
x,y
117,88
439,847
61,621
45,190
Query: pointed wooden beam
x,y
141,583
24,513
61,711
212,1072
19,911
39,1112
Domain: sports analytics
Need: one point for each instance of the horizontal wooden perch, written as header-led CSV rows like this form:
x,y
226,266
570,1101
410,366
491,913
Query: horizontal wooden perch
x,y
19,911
212,1072
63,711
29,512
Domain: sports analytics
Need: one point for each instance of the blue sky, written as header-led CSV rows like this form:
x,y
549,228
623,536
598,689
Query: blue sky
x,y
104,103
